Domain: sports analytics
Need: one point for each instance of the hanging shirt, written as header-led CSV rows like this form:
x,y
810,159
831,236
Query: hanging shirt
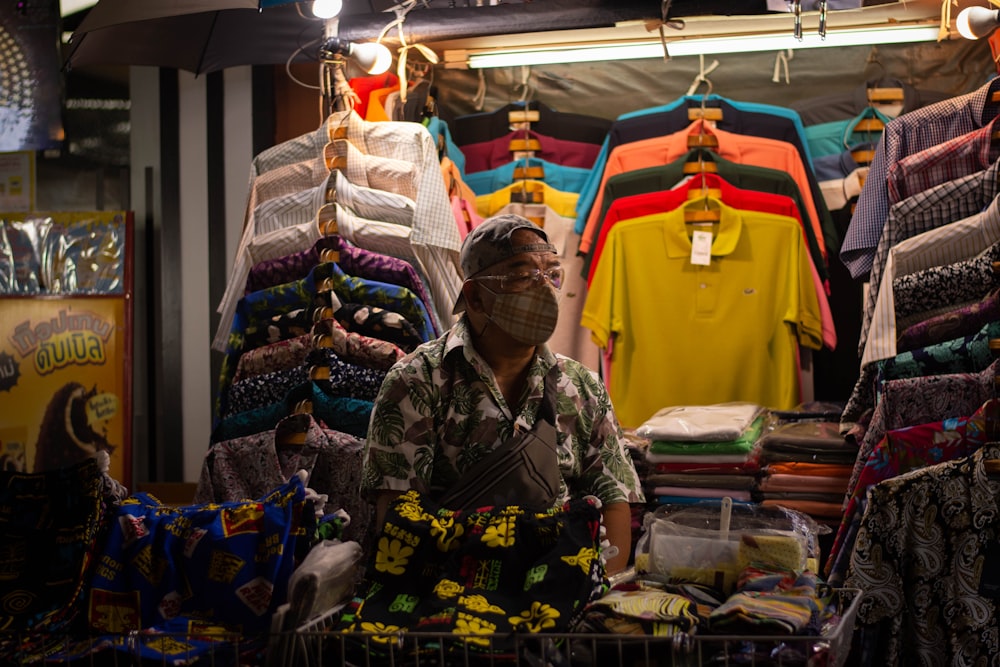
x,y
756,151
930,209
941,287
745,176
561,177
828,139
923,551
906,135
958,157
488,125
776,122
496,152
635,206
841,106
563,203
351,346
353,260
957,241
759,273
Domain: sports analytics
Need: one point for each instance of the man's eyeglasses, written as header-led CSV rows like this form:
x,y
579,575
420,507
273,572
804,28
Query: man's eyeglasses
x,y
525,280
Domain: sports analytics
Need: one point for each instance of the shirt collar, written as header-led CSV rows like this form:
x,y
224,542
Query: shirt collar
x,y
725,236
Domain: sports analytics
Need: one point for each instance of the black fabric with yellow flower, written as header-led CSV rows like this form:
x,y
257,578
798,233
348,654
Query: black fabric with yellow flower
x,y
481,575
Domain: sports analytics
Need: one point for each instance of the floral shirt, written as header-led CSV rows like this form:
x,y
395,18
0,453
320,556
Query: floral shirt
x,y
353,260
440,410
345,379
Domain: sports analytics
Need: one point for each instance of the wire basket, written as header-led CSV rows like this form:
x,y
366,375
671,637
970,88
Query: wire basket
x,y
313,644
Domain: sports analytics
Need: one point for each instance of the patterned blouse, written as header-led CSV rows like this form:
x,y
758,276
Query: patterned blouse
x,y
440,410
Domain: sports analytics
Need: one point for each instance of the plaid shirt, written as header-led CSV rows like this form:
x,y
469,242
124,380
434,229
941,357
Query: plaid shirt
x,y
961,156
435,238
906,135
930,209
951,243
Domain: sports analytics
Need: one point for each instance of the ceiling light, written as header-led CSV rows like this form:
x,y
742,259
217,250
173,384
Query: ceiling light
x,y
372,57
326,9
976,22
628,50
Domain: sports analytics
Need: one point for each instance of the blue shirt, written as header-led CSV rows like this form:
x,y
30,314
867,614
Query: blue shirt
x,y
560,177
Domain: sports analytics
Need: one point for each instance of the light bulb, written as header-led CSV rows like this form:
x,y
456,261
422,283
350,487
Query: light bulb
x,y
372,57
327,9
976,22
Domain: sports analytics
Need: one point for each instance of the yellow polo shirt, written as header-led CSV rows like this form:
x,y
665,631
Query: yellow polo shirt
x,y
686,334
563,203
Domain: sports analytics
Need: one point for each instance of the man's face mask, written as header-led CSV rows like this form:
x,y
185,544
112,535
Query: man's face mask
x,y
529,315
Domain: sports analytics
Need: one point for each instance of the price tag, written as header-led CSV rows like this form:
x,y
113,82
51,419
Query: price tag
x,y
701,247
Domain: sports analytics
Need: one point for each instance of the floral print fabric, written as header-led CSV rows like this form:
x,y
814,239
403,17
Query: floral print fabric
x,y
440,410
486,573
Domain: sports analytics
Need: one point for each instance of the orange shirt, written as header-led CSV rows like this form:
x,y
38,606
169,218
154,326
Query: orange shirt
x,y
742,148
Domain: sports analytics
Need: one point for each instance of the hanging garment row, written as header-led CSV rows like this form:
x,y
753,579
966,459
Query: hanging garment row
x,y
748,200
924,232
348,261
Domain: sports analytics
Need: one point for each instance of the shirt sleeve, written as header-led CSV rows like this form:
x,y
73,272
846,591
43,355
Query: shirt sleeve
x,y
606,468
401,435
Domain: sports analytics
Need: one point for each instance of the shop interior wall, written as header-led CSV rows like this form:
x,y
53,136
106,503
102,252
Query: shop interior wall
x,y
608,89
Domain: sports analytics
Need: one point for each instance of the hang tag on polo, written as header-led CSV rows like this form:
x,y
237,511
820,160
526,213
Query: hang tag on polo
x,y
989,578
701,247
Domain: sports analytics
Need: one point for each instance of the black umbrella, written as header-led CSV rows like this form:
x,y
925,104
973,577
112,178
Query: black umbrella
x,y
194,35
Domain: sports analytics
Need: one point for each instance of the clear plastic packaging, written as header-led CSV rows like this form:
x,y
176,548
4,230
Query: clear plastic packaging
x,y
711,543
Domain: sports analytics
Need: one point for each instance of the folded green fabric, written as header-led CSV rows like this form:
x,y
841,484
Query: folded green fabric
x,y
741,445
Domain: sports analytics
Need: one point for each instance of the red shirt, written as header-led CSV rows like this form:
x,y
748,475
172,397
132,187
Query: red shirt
x,y
487,155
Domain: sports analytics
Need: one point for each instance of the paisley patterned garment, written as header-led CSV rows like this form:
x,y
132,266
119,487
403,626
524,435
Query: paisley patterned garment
x,y
920,558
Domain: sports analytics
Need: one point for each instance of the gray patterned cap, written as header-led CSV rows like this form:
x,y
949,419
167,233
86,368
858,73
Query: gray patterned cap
x,y
490,243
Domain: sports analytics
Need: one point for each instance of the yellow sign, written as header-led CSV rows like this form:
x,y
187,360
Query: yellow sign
x,y
65,389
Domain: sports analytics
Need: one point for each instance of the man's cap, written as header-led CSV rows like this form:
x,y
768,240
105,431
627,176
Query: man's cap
x,y
490,243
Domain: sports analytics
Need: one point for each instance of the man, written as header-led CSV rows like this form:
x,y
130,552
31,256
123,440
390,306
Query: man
x,y
454,400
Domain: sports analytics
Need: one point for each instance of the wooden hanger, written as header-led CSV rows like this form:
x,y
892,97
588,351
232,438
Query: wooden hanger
x,y
705,113
869,125
326,220
709,212
698,164
528,192
523,116
525,145
329,255
531,173
702,140
293,430
319,372
885,95
863,156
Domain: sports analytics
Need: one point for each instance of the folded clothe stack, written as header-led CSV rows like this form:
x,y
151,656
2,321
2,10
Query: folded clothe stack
x,y
702,452
806,466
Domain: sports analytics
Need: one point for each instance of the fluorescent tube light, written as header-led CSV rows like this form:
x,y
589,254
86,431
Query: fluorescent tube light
x,y
597,52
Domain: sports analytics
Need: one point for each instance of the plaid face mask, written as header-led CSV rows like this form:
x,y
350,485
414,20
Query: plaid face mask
x,y
529,317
